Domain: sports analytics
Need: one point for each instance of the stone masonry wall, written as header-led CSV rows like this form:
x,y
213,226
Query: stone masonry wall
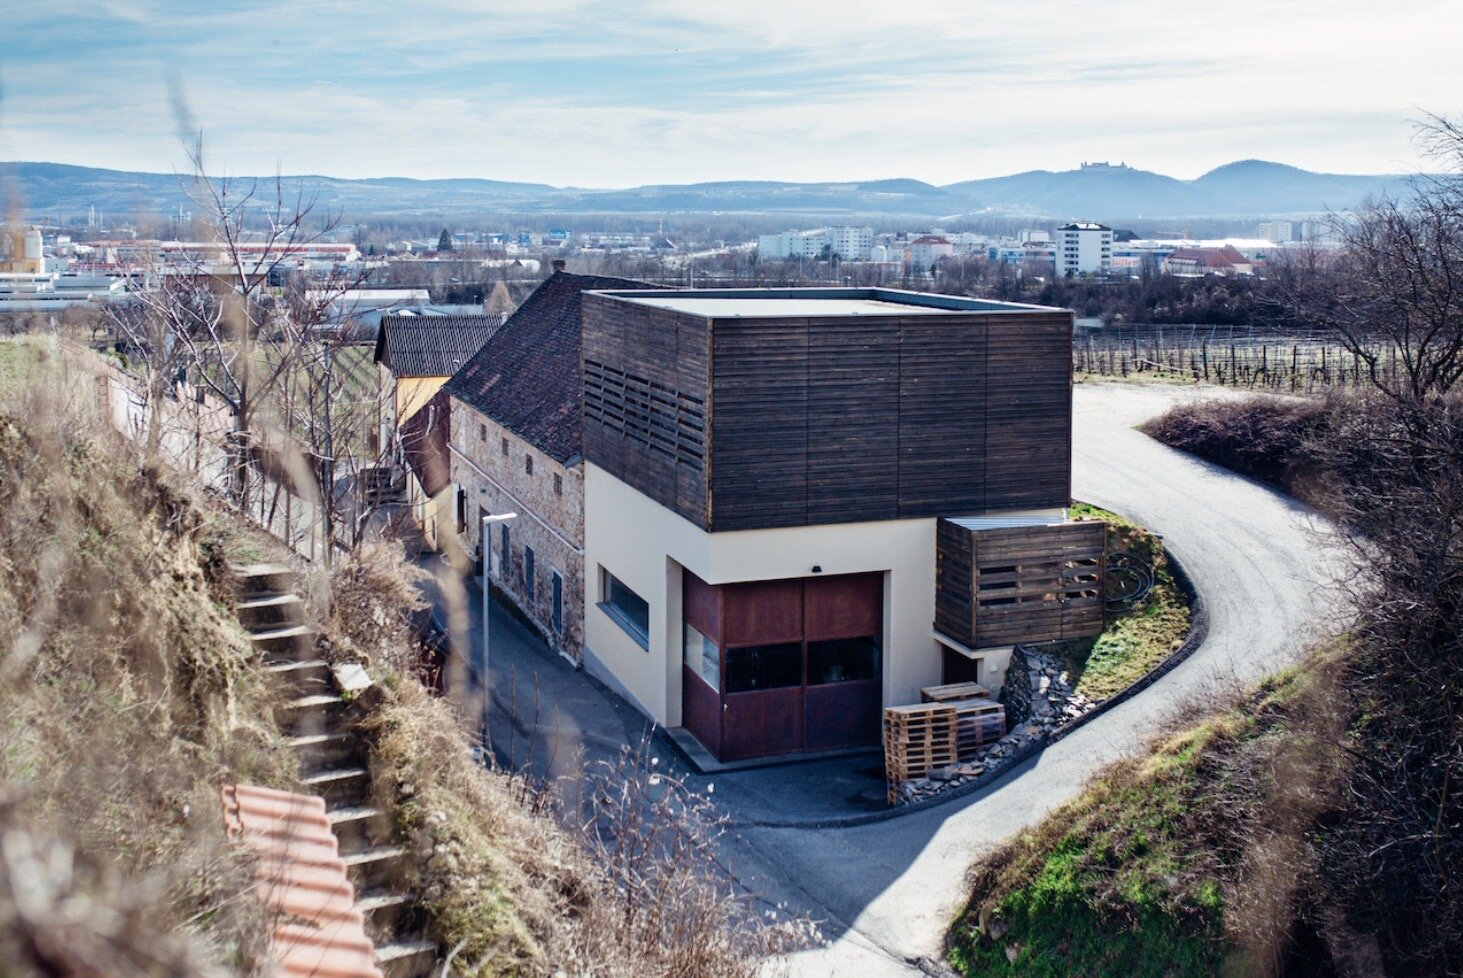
x,y
549,522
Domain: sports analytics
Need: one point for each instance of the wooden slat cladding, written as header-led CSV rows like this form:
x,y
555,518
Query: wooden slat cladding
x,y
759,438
808,421
645,393
1021,584
955,582
1028,412
853,437
943,386
900,417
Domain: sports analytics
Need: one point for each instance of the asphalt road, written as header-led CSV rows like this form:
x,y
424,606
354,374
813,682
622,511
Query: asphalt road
x,y
1265,567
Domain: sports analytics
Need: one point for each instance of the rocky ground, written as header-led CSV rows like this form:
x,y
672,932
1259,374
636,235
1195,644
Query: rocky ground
x,y
1035,710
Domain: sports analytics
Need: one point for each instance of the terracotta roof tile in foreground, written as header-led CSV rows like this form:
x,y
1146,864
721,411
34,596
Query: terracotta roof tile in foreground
x,y
302,880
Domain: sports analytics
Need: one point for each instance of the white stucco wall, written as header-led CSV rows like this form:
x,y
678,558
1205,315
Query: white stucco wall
x,y
645,545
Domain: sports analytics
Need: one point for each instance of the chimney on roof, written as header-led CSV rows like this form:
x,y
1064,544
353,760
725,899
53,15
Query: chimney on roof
x,y
558,264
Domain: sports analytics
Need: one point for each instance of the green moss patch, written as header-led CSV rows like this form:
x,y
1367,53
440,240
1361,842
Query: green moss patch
x,y
1137,639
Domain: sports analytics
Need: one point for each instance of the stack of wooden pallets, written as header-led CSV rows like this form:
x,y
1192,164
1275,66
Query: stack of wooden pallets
x,y
955,720
979,720
917,739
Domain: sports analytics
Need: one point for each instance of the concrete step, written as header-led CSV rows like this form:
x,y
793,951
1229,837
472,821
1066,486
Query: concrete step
x,y
323,751
263,612
407,959
303,676
317,713
376,868
393,915
341,786
358,827
285,643
264,578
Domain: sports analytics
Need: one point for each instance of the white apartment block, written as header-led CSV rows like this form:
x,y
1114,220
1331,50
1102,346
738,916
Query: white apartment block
x,y
1279,232
851,243
848,243
1084,248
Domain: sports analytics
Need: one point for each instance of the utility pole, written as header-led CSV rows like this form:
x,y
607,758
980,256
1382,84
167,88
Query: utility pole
x,y
327,465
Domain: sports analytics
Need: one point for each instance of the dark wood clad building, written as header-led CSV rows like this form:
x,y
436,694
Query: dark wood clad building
x,y
765,471
737,414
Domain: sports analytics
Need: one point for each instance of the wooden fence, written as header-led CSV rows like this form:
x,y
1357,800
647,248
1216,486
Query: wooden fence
x,y
1231,356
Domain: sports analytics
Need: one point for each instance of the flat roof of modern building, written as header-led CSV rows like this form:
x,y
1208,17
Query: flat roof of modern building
x,y
824,303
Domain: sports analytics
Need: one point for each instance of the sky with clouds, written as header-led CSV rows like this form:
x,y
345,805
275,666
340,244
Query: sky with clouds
x,y
599,93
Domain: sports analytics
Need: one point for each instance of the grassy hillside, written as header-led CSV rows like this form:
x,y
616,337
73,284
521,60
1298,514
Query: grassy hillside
x,y
1166,865
1316,828
129,695
1135,639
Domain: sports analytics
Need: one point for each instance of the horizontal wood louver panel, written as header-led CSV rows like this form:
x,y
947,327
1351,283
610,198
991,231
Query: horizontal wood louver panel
x,y
645,406
1020,584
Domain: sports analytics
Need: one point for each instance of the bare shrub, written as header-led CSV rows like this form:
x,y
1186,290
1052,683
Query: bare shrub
x,y
1390,855
1266,438
372,595
629,889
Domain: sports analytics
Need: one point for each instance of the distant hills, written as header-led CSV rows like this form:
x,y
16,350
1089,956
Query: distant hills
x,y
1249,188
1252,188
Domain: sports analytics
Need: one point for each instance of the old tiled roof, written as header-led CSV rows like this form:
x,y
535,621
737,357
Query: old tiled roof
x,y
431,346
1226,257
526,378
302,882
424,439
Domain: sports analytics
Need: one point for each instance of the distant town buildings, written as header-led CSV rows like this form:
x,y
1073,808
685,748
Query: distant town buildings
x,y
927,249
848,243
1277,231
1084,247
27,284
1225,261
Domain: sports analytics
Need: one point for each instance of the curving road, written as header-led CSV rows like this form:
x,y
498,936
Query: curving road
x,y
1264,566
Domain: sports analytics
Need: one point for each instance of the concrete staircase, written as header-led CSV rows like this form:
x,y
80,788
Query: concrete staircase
x,y
322,729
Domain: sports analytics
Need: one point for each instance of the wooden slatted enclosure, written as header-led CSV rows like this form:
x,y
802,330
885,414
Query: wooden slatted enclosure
x,y
1019,584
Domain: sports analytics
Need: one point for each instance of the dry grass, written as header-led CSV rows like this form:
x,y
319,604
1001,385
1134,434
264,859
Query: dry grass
x,y
612,874
127,692
513,890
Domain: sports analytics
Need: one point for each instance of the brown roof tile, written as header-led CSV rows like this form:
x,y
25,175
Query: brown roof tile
x,y
526,378
432,346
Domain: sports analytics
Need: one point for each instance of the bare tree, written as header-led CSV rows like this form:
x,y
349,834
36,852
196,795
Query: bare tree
x,y
1393,296
1390,854
223,304
272,346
